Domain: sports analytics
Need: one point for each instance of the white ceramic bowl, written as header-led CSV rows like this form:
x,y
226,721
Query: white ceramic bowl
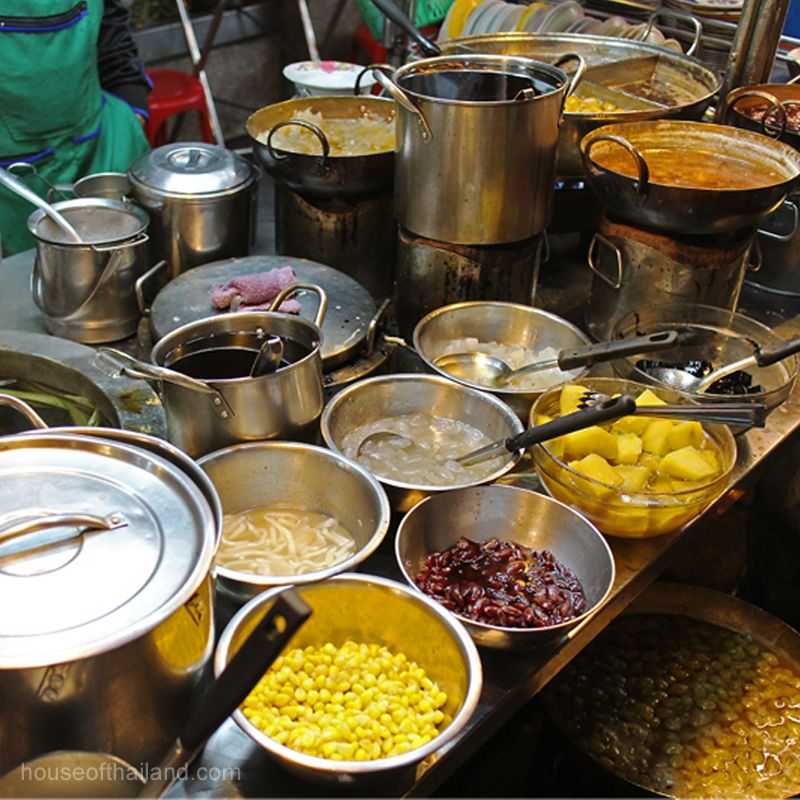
x,y
318,78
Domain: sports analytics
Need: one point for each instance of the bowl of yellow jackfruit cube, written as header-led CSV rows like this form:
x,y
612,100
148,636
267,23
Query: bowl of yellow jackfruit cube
x,y
637,477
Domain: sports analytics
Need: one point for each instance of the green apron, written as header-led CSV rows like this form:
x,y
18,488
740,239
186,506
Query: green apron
x,y
53,111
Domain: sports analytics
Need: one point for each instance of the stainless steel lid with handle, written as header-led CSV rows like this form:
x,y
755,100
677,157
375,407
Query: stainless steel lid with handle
x,y
190,169
99,543
346,326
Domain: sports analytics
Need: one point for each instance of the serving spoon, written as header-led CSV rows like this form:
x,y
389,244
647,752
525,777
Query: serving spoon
x,y
14,184
268,358
607,411
486,370
686,382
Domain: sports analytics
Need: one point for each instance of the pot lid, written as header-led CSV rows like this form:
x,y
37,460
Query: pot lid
x,y
191,168
77,589
187,298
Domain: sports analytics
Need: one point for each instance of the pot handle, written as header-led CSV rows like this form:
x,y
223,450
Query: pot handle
x,y
755,258
311,287
140,287
374,325
23,408
309,126
597,240
579,72
140,238
691,19
774,105
21,524
357,87
401,98
52,189
642,182
134,368
785,237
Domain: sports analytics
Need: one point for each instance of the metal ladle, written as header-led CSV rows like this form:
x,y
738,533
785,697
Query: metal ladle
x,y
687,382
603,412
486,370
268,358
15,185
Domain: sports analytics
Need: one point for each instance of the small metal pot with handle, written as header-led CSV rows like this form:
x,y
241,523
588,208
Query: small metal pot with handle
x,y
86,291
476,145
211,409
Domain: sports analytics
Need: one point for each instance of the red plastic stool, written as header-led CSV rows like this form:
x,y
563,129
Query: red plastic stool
x,y
174,93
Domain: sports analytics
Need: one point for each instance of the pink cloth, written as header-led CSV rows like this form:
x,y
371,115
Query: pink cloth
x,y
255,292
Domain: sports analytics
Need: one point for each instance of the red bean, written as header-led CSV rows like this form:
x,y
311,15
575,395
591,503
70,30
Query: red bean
x,y
503,583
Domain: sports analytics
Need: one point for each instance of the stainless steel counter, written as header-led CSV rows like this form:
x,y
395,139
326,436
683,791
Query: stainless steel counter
x,y
231,765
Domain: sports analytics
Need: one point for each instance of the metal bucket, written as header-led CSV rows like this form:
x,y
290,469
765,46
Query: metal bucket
x,y
632,266
87,292
476,146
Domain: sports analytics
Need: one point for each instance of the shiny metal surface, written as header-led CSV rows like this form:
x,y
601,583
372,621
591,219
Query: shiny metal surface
x,y
67,366
677,210
296,476
202,202
776,96
110,663
530,519
393,395
435,274
323,175
284,404
489,163
86,292
691,85
344,329
779,241
726,337
368,609
357,236
74,774
506,323
108,185
632,266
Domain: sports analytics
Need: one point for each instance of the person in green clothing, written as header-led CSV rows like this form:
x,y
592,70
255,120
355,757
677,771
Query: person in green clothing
x,y
73,98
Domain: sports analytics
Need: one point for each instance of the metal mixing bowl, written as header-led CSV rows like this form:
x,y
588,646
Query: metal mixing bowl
x,y
297,476
363,608
395,395
725,337
506,323
629,515
519,515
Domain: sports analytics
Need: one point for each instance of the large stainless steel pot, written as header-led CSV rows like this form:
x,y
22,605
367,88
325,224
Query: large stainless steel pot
x,y
680,210
208,413
779,242
86,291
632,267
202,201
106,551
476,144
682,86
322,175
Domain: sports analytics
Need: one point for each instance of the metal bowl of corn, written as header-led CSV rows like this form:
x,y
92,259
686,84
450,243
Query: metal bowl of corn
x,y
339,725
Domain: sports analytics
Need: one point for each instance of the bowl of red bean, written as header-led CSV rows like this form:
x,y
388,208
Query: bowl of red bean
x,y
518,568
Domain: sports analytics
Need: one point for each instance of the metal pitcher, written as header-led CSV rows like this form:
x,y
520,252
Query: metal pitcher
x,y
204,415
476,145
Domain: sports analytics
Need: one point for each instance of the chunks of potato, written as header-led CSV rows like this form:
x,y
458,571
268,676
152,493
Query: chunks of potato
x,y
711,457
649,398
650,461
684,434
596,467
570,397
629,448
594,440
687,464
634,479
656,438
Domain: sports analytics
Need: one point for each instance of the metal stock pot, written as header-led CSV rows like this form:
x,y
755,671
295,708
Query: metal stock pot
x,y
202,201
105,558
209,410
476,145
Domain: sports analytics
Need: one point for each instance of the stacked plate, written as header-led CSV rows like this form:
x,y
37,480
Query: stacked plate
x,y
481,17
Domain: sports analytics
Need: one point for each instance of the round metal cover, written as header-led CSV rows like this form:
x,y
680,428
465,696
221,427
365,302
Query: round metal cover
x,y
76,592
191,168
344,330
